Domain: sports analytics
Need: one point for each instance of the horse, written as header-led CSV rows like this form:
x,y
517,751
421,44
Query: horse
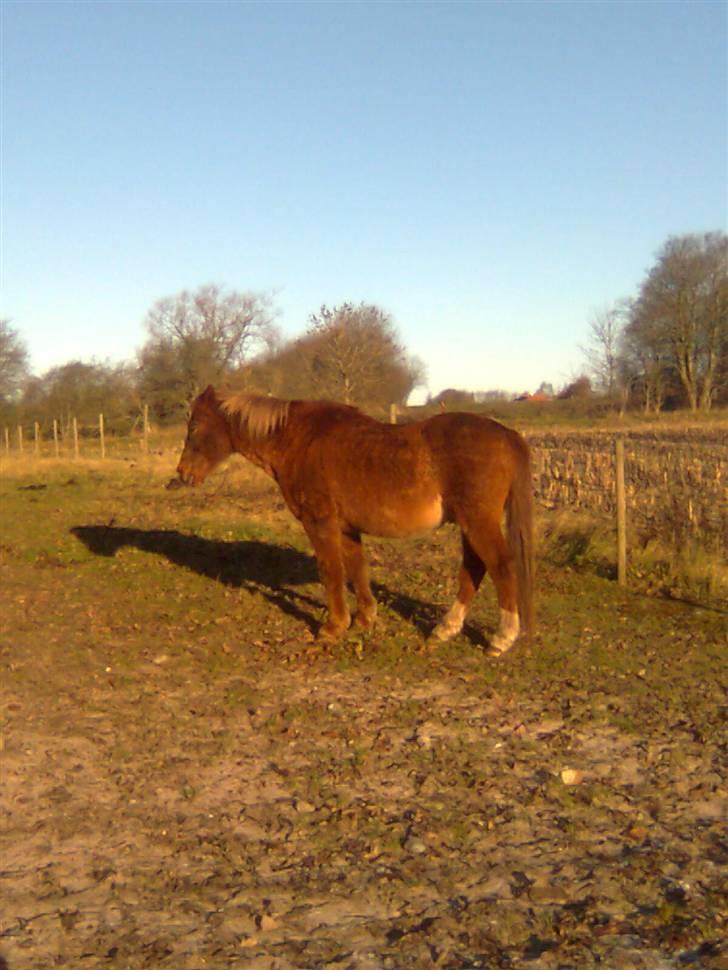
x,y
344,474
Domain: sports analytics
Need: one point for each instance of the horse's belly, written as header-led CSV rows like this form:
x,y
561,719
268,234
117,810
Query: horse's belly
x,y
402,518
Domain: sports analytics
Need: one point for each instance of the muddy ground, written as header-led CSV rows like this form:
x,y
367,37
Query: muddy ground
x,y
188,781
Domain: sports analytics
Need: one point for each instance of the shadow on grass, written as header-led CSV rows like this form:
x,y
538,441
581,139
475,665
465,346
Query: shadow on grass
x,y
231,563
253,565
422,615
250,564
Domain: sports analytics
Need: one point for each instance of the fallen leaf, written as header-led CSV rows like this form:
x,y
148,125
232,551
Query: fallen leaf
x,y
570,776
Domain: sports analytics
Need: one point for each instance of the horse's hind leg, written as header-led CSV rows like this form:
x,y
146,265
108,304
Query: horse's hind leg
x,y
471,575
487,540
357,571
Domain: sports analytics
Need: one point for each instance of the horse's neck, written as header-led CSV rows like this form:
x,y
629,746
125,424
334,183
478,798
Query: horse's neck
x,y
259,450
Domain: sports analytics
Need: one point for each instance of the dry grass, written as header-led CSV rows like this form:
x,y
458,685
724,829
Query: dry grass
x,y
578,540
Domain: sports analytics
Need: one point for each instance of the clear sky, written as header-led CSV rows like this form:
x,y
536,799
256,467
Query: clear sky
x,y
489,173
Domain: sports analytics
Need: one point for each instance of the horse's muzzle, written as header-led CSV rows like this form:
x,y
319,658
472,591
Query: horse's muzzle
x,y
175,483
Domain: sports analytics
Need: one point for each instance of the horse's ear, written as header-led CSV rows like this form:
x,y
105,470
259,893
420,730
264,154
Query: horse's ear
x,y
209,392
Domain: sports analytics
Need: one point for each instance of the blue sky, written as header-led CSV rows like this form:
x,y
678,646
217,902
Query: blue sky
x,y
491,174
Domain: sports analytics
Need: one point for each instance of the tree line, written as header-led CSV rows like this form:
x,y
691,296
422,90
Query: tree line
x,y
668,345
213,335
665,347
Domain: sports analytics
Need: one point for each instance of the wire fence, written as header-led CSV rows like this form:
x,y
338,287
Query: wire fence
x,y
675,484
71,439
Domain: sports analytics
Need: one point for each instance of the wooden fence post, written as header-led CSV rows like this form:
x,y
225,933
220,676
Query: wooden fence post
x,y
55,436
392,413
75,438
145,430
621,514
20,438
7,441
101,436
36,438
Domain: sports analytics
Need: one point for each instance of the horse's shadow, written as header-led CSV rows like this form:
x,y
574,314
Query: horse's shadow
x,y
248,564
422,615
268,569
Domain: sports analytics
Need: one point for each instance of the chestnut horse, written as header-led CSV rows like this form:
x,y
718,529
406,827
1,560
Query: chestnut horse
x,y
343,474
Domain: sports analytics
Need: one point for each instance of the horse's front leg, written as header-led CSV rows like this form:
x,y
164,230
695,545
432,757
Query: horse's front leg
x,y
326,539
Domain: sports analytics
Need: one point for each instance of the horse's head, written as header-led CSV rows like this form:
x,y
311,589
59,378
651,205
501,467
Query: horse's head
x,y
208,440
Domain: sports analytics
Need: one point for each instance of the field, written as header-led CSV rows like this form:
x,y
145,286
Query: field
x,y
190,781
675,481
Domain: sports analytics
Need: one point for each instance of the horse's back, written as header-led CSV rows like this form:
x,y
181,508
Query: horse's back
x,y
449,442
472,436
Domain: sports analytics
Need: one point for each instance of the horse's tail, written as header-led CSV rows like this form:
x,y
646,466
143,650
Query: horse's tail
x,y
519,523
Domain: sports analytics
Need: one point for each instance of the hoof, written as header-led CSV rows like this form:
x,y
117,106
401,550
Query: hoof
x,y
451,624
506,634
331,632
430,645
363,622
441,634
499,646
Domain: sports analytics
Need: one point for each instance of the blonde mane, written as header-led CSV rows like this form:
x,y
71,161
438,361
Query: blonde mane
x,y
260,415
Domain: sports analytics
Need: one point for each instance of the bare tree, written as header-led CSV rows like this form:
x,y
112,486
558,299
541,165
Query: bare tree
x,y
13,361
578,388
201,337
602,354
683,305
645,360
353,354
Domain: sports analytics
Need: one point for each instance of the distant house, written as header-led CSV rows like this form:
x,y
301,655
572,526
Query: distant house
x,y
536,396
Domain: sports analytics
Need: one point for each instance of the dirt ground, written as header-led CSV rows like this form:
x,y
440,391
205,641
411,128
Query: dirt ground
x,y
188,781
